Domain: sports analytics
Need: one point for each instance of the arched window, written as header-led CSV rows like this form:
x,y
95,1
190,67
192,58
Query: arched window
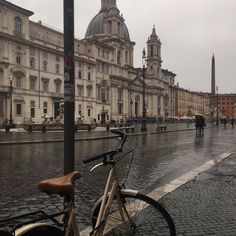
x,y
151,50
110,27
126,57
32,62
89,76
18,26
103,92
118,26
118,58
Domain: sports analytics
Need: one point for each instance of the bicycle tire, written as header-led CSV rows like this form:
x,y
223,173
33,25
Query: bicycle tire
x,y
152,218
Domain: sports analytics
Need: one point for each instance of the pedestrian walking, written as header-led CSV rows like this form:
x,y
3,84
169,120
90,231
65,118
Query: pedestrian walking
x,y
225,122
232,122
199,123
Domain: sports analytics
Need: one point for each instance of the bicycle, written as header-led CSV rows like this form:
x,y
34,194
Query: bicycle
x,y
119,211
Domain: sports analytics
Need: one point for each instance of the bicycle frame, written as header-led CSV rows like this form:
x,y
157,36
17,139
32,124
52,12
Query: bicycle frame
x,y
70,219
107,199
112,191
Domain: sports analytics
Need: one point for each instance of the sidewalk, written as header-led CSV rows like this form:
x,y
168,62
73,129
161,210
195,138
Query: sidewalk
x,y
206,205
17,136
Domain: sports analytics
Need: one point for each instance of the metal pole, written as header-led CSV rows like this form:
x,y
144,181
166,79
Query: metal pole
x,y
69,87
144,125
217,108
11,90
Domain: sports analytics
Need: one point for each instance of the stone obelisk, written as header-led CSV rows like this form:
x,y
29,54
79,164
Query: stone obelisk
x,y
213,82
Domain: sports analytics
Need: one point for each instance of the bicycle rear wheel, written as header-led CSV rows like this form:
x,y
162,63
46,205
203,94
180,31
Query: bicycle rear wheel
x,y
147,217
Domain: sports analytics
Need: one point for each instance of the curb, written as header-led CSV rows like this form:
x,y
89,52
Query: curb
x,y
98,137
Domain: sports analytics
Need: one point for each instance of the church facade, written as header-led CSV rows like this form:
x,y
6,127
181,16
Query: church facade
x,y
107,85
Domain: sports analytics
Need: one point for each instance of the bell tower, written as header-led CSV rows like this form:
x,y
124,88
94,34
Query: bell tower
x,y
153,54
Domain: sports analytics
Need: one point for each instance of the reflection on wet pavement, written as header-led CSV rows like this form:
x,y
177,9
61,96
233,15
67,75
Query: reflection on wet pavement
x,y
159,159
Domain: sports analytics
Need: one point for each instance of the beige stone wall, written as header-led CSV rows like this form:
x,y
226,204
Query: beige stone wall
x,y
42,44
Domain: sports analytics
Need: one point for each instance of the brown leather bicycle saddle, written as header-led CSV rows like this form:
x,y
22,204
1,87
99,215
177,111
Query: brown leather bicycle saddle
x,y
61,185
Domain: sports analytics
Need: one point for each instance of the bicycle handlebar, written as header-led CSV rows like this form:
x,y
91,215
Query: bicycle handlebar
x,y
110,153
94,158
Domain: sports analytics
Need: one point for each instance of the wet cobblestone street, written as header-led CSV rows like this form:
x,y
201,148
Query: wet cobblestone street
x,y
158,159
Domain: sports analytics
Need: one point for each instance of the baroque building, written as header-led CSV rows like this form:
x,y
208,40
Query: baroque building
x,y
189,103
107,85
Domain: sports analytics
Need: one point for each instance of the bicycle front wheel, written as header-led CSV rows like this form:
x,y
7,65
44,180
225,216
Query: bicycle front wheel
x,y
141,216
38,229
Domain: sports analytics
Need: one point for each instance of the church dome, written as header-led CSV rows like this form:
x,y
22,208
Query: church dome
x,y
96,26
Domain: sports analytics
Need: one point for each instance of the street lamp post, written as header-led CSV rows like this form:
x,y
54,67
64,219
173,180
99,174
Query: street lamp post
x,y
11,91
131,108
144,125
217,108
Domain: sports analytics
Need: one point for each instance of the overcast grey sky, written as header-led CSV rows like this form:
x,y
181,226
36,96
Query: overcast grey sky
x,y
190,32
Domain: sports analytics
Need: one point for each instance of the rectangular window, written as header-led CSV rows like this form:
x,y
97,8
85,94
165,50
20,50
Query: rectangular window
x,y
18,109
80,91
80,110
120,108
99,93
45,85
18,60
32,63
80,74
18,82
89,92
108,91
120,94
89,113
45,65
32,109
32,83
103,67
103,94
45,107
89,76
58,87
45,55
32,52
